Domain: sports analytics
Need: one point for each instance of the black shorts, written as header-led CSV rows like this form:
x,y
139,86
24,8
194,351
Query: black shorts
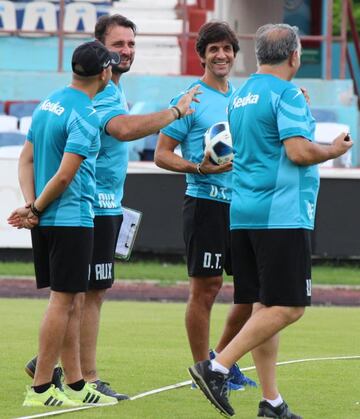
x,y
106,233
62,257
272,267
207,237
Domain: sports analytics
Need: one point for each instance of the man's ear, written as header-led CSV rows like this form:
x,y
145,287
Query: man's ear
x,y
294,56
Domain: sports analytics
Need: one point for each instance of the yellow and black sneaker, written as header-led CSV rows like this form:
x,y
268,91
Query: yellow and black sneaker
x,y
88,395
50,398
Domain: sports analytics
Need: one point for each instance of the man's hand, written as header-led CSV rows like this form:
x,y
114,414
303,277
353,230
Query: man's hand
x,y
23,218
207,167
185,101
341,144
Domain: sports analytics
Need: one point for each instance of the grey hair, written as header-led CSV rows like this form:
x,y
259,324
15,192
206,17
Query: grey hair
x,y
275,42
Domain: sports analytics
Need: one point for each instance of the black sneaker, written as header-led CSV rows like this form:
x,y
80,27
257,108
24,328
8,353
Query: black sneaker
x,y
278,412
105,388
30,368
214,385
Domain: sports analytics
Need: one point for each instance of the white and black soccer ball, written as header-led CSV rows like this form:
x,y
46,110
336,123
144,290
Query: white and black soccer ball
x,y
218,141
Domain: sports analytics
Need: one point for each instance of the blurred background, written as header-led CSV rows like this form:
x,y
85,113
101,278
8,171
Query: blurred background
x,y
37,39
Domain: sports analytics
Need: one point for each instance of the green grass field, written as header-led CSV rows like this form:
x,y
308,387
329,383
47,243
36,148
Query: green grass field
x,y
143,346
168,273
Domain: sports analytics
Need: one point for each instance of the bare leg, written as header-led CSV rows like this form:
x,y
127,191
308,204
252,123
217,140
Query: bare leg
x,y
237,317
262,325
89,333
52,333
203,292
70,352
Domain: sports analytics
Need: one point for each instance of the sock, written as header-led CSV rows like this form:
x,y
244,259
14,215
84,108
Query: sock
x,y
78,385
215,353
42,388
216,366
276,402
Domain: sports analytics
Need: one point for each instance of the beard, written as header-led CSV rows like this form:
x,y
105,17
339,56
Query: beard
x,y
120,70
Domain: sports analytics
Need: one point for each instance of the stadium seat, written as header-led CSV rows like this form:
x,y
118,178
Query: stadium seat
x,y
20,109
8,123
325,133
39,16
11,138
24,124
324,115
2,107
79,17
7,17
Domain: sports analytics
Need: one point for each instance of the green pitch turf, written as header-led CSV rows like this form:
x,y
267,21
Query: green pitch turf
x,y
169,273
142,346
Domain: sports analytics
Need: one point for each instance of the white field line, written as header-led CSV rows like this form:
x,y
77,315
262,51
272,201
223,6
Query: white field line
x,y
187,383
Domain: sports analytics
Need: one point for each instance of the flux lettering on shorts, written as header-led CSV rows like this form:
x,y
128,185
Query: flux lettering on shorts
x,y
212,261
106,200
103,271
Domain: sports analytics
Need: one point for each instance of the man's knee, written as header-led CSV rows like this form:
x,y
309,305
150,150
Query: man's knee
x,y
292,314
205,290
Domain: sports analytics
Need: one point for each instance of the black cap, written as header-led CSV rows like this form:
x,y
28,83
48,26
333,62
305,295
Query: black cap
x,y
91,58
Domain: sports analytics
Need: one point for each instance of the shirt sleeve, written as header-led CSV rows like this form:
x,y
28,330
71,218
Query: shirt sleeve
x,y
178,129
293,115
81,133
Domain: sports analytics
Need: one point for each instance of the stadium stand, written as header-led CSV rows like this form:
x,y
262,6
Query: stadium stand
x,y
156,17
324,115
8,123
7,16
11,139
79,17
20,109
24,124
39,16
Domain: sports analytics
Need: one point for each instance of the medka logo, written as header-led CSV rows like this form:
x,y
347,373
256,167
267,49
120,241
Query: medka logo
x,y
250,99
55,108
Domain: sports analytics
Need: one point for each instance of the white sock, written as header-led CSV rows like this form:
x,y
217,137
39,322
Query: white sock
x,y
215,353
216,366
276,402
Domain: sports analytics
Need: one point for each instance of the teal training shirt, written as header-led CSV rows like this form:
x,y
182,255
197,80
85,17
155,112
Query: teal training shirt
x,y
66,122
189,132
269,191
112,161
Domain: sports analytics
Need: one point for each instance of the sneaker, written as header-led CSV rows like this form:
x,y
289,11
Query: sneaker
x,y
88,395
51,397
279,412
238,380
57,377
214,385
105,388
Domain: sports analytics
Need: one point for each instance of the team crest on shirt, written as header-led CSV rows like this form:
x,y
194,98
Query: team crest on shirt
x,y
310,207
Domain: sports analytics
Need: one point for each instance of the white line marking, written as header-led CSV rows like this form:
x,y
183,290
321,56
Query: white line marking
x,y
187,383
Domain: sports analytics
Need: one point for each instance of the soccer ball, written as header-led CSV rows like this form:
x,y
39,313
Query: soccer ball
x,y
218,141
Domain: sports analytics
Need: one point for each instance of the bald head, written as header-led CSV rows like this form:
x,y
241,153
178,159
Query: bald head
x,y
274,43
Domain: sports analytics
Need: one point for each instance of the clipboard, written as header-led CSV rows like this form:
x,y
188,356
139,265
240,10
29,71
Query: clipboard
x,y
128,232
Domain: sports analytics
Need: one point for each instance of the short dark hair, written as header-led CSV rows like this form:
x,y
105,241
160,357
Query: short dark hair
x,y
215,31
107,21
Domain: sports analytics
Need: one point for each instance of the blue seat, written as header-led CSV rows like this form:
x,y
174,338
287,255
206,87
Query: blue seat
x,y
11,138
324,115
2,107
20,109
